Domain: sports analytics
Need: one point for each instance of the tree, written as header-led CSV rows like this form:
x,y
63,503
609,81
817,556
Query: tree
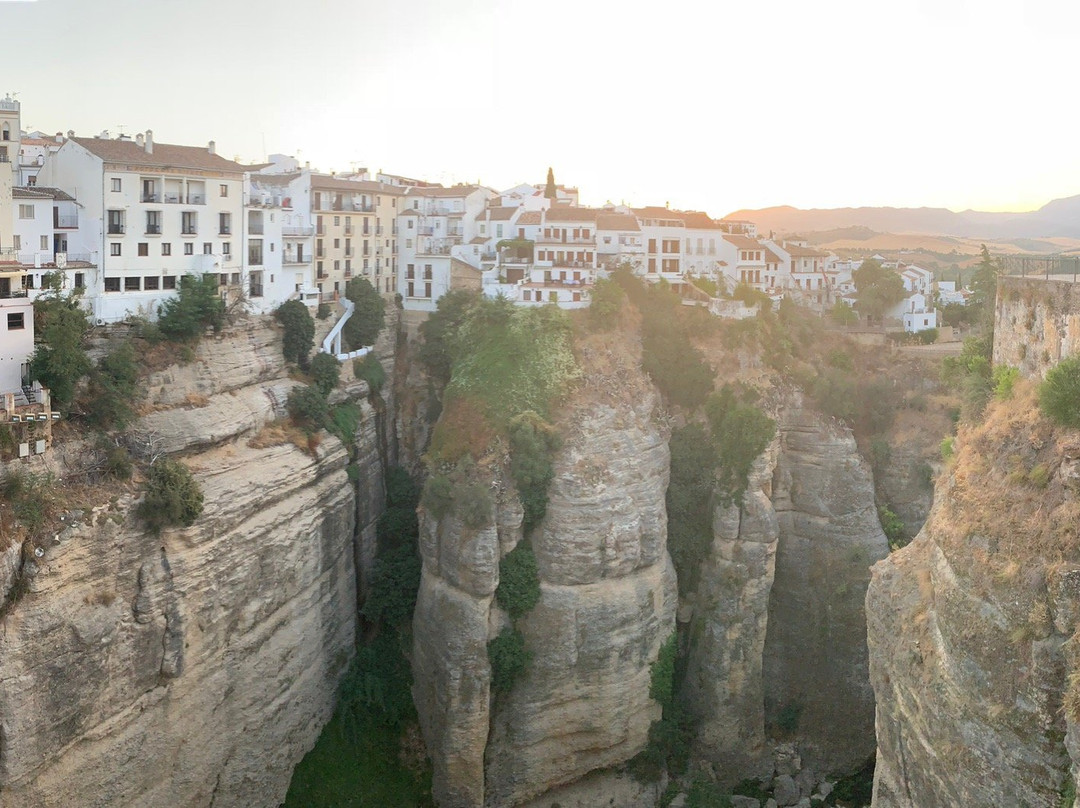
x,y
550,191
843,314
367,318
325,372
878,288
439,332
984,287
59,360
299,331
172,497
195,306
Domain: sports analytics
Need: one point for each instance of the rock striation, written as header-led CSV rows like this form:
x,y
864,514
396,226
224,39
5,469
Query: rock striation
x,y
608,603
196,667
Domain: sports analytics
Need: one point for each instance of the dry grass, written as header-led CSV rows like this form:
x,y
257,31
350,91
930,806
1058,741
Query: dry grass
x,y
196,400
462,430
281,432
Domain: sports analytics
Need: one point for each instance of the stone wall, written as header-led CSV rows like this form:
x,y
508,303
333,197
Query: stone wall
x,y
1037,323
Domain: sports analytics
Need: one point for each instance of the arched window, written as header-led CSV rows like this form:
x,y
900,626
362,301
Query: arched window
x,y
5,133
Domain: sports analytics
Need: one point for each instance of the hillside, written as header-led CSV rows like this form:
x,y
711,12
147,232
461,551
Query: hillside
x,y
1060,217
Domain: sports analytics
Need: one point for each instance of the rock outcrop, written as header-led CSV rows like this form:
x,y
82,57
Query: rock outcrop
x,y
608,603
777,632
972,628
195,667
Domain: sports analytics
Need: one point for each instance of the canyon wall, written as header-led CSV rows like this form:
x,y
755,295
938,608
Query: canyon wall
x,y
198,666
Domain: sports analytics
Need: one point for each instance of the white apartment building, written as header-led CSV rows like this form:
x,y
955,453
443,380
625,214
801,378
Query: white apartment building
x,y
619,241
436,227
16,310
663,232
155,211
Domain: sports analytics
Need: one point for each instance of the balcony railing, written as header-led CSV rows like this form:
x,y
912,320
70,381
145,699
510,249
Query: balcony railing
x,y
153,230
150,198
66,222
542,239
187,231
116,229
255,290
363,207
426,231
379,230
442,249
296,259
4,158
255,229
176,199
255,259
297,231
224,231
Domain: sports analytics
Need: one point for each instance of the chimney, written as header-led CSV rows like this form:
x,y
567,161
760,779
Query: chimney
x,y
149,142
139,139
104,134
59,137
307,164
71,133
212,147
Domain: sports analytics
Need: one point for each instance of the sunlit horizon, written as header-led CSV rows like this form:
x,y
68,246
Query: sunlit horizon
x,y
951,104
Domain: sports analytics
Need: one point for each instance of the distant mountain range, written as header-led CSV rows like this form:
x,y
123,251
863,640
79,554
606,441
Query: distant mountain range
x,y
1059,218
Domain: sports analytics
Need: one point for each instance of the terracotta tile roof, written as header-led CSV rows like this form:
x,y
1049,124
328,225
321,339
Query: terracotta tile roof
x,y
40,192
456,190
743,242
165,155
656,212
325,182
478,240
698,220
37,141
616,221
803,252
501,214
529,217
771,257
275,179
566,213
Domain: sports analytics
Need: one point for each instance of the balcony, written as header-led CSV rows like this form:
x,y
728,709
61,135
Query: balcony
x,y
188,231
298,232
292,258
116,230
224,231
66,222
176,199
349,230
542,239
255,258
320,253
255,229
442,249
379,230
426,231
5,159
571,264
153,230
150,198
363,207
255,290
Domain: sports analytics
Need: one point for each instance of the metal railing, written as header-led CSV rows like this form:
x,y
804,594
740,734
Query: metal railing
x,y
292,231
153,230
67,222
255,229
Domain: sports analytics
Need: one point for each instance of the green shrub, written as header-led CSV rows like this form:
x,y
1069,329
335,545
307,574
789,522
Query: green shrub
x,y
844,314
1039,476
1059,394
607,299
325,372
378,684
706,794
751,296
709,287
299,336
195,307
668,747
509,659
363,327
531,445
439,333
118,462
323,312
519,581
893,527
740,433
1004,379
472,504
673,364
59,359
344,421
308,408
33,498
880,454
662,672
438,496
395,580
370,369
947,448
114,389
401,489
928,336
172,496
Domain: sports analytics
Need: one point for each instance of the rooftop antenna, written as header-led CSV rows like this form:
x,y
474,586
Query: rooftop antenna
x,y
264,146
120,126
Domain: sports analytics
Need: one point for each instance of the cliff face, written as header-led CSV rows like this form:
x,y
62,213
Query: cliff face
x,y
607,605
777,636
972,626
1037,324
196,667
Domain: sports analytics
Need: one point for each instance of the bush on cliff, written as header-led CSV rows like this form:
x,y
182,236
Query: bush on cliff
x,y
1059,394
308,408
532,442
519,581
114,389
172,496
325,372
370,370
299,335
59,359
607,299
509,659
195,307
740,432
367,319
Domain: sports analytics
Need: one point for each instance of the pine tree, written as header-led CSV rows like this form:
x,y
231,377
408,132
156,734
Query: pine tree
x,y
550,191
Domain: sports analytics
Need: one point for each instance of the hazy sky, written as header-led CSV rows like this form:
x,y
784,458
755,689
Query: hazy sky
x,y
708,105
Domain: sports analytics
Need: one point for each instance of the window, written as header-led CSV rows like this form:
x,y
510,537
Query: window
x,y
16,241
144,248
116,222
153,222
114,249
6,134
337,221
44,243
15,321
337,243
166,248
189,248
80,282
168,282
28,282
115,184
224,222
255,252
132,284
188,222
151,283
112,284
226,248
26,211
223,190
207,247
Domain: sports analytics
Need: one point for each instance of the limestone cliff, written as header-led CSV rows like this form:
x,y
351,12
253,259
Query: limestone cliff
x,y
608,603
196,667
972,626
777,637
